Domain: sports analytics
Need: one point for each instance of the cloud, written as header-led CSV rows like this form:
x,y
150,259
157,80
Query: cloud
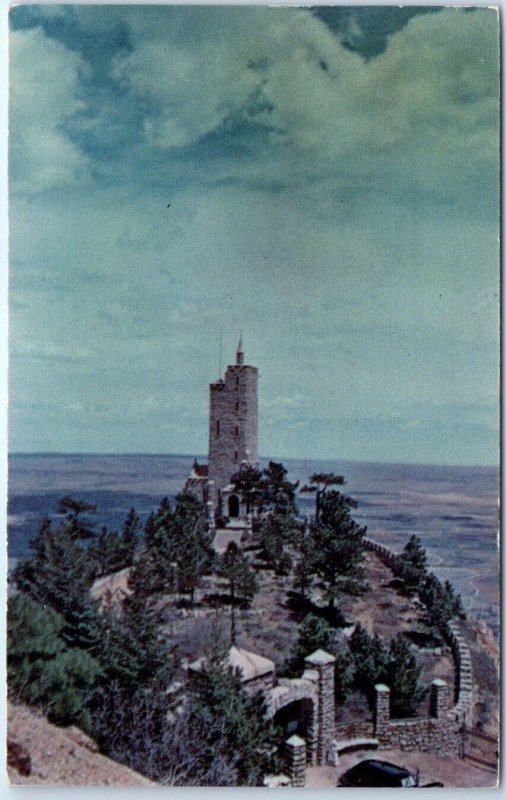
x,y
44,96
421,115
341,211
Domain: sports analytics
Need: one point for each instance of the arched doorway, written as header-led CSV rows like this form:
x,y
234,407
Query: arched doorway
x,y
295,718
233,506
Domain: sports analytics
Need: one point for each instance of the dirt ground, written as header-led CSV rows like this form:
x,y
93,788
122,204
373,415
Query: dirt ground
x,y
44,754
452,772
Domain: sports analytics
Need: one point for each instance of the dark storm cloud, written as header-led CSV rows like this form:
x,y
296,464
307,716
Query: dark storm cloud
x,y
366,29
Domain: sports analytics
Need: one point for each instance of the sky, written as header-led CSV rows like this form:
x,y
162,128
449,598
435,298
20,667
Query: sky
x,y
323,180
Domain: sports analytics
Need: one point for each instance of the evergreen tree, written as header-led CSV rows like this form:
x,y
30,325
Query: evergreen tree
x,y
157,561
177,550
33,639
249,484
402,676
133,650
109,553
278,493
455,601
192,543
59,573
194,561
337,545
275,532
79,527
235,568
440,601
361,649
129,536
318,484
381,659
41,669
343,675
395,666
238,730
304,571
313,634
411,564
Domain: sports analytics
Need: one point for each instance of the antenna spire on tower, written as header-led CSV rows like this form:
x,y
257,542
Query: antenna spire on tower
x,y
239,356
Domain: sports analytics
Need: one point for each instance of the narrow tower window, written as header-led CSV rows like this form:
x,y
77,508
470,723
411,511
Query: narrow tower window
x,y
237,382
237,406
236,431
217,427
236,455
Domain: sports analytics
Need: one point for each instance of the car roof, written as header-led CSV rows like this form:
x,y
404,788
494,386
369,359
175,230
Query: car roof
x,y
383,766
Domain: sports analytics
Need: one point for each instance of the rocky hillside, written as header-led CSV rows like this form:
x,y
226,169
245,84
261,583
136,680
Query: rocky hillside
x,y
41,753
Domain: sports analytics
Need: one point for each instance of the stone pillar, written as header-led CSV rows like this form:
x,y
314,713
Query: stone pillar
x,y
439,698
381,710
324,664
296,760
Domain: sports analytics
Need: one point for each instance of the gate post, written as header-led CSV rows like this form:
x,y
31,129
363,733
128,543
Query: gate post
x,y
381,711
324,664
296,758
439,698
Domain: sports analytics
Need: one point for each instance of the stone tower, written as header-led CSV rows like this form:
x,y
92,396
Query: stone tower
x,y
233,425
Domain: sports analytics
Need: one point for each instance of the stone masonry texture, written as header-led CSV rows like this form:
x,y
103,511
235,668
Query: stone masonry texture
x,y
233,424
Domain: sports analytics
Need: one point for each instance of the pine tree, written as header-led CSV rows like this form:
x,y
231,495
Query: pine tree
x,y
361,649
194,561
304,572
42,670
249,484
314,633
129,537
402,677
319,482
235,568
275,532
238,730
337,546
59,573
278,493
411,564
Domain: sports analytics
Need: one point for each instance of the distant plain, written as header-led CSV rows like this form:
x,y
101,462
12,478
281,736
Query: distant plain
x,y
452,509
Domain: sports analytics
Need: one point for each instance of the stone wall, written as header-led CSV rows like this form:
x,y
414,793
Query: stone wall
x,y
439,733
384,554
463,696
262,683
361,729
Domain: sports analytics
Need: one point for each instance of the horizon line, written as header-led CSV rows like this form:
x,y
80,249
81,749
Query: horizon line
x,y
262,458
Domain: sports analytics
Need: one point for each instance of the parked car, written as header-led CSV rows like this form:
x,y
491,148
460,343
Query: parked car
x,y
373,772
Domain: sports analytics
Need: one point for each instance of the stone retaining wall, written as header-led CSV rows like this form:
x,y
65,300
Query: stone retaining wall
x,y
463,698
438,733
355,730
384,554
